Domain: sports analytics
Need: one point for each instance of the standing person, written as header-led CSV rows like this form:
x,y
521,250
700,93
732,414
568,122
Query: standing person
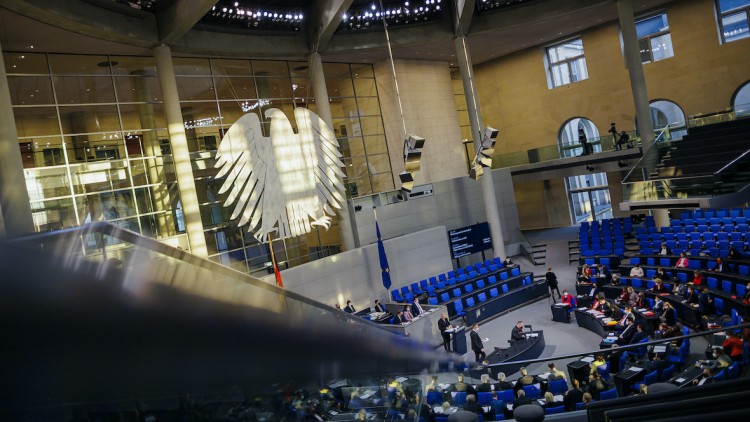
x,y
613,131
624,140
517,332
476,344
584,142
416,308
445,324
552,283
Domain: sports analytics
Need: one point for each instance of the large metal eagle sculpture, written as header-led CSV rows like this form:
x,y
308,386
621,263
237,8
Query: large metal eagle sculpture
x,y
285,184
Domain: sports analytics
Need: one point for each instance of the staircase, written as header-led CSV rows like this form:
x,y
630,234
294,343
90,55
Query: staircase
x,y
574,250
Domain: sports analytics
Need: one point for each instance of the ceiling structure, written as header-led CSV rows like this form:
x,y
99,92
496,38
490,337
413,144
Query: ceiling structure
x,y
291,29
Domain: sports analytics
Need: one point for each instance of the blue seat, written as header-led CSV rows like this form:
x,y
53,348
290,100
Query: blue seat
x,y
650,284
462,278
733,371
744,269
558,387
396,296
515,271
554,410
741,290
497,261
460,398
444,297
665,262
415,289
726,285
484,398
460,271
579,406
505,288
451,281
604,261
532,392
458,307
473,274
682,277
603,370
650,273
409,297
404,291
434,398
634,261
492,279
480,283
468,288
499,407
609,394
440,285
423,283
720,376
504,275
456,292
652,261
483,271
713,283
469,302
441,277
431,291
482,297
432,301
452,274
637,283
506,396
719,306
667,373
650,378
493,268
494,292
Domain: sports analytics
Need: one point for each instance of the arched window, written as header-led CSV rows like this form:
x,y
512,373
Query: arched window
x,y
665,113
588,194
569,133
741,100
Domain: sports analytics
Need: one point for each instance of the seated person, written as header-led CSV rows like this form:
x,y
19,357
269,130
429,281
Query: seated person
x,y
623,297
502,384
706,302
632,296
573,396
697,278
587,398
433,385
585,276
627,333
485,386
600,305
593,291
472,405
625,316
658,364
658,306
669,314
406,314
566,298
596,385
659,287
640,334
549,401
746,298
719,361
508,262
525,379
636,271
521,399
661,274
720,267
683,262
662,332
734,253
664,250
706,377
556,373
378,307
605,276
732,346
616,281
460,385
679,288
597,362
642,303
691,296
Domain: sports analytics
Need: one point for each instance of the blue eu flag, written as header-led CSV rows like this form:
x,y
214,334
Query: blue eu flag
x,y
385,272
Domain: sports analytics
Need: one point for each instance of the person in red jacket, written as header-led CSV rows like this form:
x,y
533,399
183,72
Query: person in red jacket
x,y
566,298
732,346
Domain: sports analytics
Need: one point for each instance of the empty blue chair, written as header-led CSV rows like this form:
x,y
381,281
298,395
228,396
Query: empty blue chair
x,y
532,392
469,302
733,371
651,302
634,261
637,283
409,297
396,296
603,370
451,281
650,273
682,277
554,410
604,261
493,268
404,291
415,289
460,398
483,271
497,261
720,376
451,274
579,406
473,274
741,290
432,301
492,279
460,271
462,278
719,306
650,378
652,261
609,394
744,269
726,285
667,373
713,283
423,283
480,283
505,288
481,297
468,288
499,407
664,262
515,271
478,266
456,292
441,277
444,297
440,285
431,291
504,275
650,284
434,398
494,292
458,307
484,398
558,387
506,395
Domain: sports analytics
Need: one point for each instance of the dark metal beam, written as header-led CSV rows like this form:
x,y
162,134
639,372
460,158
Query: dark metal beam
x,y
325,17
180,17
463,12
87,19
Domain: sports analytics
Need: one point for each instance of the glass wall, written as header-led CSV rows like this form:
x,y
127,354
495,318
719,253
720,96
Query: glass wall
x,y
95,147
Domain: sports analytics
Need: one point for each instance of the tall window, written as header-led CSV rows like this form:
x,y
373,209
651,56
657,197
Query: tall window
x,y
570,133
566,63
654,39
669,118
733,19
741,100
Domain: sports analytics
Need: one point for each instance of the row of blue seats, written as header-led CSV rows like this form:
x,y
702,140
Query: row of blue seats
x,y
434,299
741,227
692,263
407,293
603,251
726,221
693,237
607,222
720,213
467,303
694,244
652,248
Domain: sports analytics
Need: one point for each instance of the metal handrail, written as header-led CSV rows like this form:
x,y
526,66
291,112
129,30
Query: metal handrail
x,y
733,161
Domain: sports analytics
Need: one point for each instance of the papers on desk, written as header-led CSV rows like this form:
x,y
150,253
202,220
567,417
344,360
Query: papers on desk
x,y
509,406
486,339
337,384
660,349
532,335
562,304
544,376
587,359
541,402
487,408
642,309
559,398
635,369
444,386
680,380
582,309
401,379
367,394
606,320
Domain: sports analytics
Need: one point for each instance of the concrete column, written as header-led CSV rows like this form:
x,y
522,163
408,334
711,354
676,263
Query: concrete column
x,y
324,111
661,217
477,128
180,153
14,198
634,65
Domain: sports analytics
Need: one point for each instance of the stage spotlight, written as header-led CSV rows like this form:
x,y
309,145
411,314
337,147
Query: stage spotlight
x,y
590,167
407,181
484,154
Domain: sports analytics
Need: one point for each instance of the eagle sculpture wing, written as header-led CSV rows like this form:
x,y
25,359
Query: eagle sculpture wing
x,y
285,184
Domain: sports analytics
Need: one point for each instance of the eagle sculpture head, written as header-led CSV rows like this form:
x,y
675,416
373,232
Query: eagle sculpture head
x,y
286,183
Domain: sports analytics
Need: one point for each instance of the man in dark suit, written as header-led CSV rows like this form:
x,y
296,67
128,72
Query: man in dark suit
x,y
445,324
573,396
658,364
349,309
416,308
521,399
476,344
378,307
628,333
517,332
705,302
639,335
552,283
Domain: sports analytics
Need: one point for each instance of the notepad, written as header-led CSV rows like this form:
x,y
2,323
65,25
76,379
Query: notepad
x,y
680,380
401,379
544,376
635,369
587,359
660,349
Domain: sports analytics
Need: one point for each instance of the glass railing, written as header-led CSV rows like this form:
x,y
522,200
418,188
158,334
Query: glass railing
x,y
554,152
739,111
